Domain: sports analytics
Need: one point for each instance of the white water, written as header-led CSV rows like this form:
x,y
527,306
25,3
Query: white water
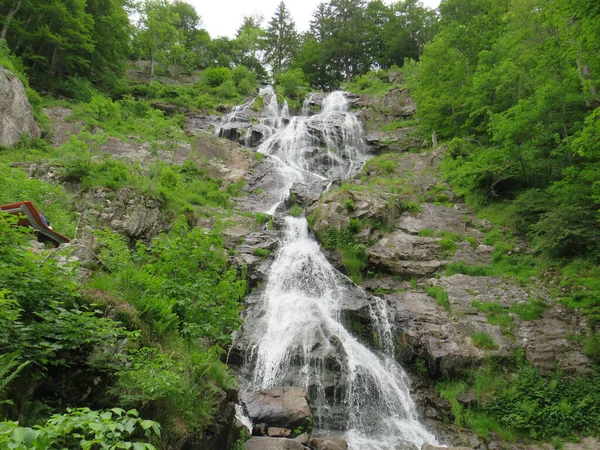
x,y
300,339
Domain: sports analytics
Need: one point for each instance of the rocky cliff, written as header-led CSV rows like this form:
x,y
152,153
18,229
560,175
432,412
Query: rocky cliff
x,y
16,114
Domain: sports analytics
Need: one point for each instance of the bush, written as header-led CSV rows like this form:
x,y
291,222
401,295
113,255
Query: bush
x,y
292,83
102,108
78,88
216,76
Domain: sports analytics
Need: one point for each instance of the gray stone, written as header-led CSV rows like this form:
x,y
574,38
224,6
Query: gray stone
x,y
433,447
405,445
467,398
285,407
269,443
16,114
303,438
279,432
329,443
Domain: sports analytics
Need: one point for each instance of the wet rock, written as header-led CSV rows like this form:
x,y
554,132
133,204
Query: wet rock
x,y
279,407
405,445
200,124
279,432
248,255
270,443
434,447
302,194
304,438
235,131
260,429
329,443
16,114
222,432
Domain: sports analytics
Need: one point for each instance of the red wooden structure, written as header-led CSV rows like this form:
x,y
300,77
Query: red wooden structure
x,y
29,216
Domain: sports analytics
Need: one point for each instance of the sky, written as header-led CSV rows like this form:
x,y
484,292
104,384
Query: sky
x,y
223,17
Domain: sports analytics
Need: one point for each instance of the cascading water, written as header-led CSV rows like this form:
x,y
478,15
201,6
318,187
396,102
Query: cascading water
x,y
300,340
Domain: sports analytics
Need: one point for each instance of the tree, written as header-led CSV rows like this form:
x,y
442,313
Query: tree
x,y
248,45
157,32
280,40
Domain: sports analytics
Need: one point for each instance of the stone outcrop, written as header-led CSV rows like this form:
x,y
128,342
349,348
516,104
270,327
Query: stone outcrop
x,y
285,407
270,443
249,255
16,114
133,214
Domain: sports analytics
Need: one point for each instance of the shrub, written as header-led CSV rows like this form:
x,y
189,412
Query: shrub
x,y
216,76
78,88
292,83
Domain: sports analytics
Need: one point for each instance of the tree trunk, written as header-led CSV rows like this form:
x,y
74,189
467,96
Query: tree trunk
x,y
9,17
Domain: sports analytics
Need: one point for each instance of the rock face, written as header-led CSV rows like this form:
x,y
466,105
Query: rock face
x,y
16,114
130,213
444,338
270,443
285,407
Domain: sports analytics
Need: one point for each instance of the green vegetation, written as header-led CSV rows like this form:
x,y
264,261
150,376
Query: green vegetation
x,y
296,211
440,295
516,400
351,250
135,328
82,428
521,151
262,252
483,340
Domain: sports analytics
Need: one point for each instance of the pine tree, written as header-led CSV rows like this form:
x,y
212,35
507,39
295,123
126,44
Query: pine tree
x,y
280,40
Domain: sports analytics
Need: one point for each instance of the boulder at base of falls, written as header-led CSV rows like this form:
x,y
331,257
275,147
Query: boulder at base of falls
x,y
329,443
270,443
16,114
433,447
285,407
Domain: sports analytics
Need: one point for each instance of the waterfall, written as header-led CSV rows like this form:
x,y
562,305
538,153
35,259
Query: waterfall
x,y
300,339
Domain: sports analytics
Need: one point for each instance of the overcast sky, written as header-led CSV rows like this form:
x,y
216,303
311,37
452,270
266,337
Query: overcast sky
x,y
223,17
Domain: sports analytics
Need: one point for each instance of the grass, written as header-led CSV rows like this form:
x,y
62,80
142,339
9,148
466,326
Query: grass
x,y
496,315
426,232
262,252
296,211
483,340
440,296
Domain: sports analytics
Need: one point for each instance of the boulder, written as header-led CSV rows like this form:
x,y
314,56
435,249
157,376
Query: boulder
x,y
405,445
329,443
130,213
285,407
16,114
304,438
434,447
279,432
270,443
